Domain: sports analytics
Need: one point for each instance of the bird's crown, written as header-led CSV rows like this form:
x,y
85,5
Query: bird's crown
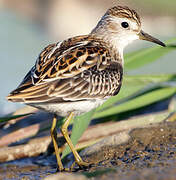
x,y
124,12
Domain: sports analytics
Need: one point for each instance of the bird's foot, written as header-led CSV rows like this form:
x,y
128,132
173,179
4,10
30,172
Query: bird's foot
x,y
82,165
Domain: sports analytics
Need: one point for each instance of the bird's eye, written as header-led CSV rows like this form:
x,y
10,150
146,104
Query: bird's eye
x,y
124,24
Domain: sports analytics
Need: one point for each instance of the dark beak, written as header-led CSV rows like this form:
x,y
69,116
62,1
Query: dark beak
x,y
147,37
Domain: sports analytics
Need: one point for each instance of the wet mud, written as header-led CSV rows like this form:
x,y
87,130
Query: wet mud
x,y
149,153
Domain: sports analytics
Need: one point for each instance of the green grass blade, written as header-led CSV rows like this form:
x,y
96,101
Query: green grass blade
x,y
6,119
138,102
126,91
149,78
142,57
135,84
80,124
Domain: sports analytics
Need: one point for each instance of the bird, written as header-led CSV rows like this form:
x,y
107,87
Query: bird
x,y
74,76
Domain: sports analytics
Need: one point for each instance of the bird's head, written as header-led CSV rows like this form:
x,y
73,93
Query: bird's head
x,y
121,26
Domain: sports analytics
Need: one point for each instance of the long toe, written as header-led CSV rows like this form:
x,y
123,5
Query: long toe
x,y
81,165
60,169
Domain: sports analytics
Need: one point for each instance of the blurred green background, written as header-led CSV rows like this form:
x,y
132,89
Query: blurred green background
x,y
27,26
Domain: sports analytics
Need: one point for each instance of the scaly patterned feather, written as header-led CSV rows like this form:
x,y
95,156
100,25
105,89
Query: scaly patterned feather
x,y
75,69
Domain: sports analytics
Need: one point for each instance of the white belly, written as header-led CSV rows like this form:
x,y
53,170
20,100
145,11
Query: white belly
x,y
64,109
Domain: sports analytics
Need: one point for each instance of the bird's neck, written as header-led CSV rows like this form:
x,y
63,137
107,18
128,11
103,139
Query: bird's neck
x,y
114,44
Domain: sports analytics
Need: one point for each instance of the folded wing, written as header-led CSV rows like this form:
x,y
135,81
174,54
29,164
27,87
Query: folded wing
x,y
76,69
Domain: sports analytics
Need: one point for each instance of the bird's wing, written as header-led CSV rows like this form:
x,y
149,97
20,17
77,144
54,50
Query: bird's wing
x,y
75,69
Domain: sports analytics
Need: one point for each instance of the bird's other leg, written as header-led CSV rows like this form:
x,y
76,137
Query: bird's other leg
x,y
64,131
54,140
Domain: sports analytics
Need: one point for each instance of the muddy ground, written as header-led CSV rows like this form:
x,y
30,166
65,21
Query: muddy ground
x,y
150,153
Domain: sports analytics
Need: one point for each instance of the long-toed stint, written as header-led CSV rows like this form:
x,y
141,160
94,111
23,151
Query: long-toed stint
x,y
76,75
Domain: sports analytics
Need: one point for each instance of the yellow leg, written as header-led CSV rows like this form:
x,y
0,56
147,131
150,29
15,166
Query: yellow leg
x,y
64,131
54,140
